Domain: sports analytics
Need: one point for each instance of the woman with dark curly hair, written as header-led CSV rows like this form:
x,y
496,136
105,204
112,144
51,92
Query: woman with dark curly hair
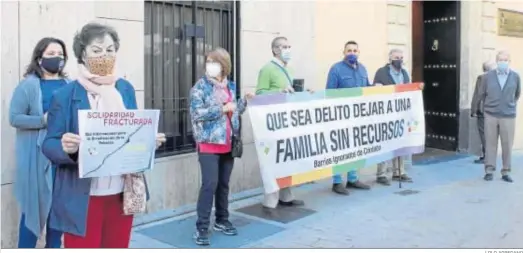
x,y
90,211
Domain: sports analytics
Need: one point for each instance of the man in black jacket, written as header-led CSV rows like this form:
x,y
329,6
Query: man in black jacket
x,y
476,109
393,73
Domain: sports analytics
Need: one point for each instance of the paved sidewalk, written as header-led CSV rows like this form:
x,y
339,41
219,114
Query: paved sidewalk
x,y
450,206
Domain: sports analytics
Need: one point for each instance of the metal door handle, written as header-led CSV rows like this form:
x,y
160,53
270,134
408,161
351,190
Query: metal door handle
x,y
435,45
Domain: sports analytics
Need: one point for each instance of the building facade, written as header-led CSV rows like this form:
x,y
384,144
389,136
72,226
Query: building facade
x,y
162,54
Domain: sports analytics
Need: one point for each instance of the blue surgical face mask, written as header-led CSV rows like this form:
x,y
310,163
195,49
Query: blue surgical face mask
x,y
286,55
502,65
351,58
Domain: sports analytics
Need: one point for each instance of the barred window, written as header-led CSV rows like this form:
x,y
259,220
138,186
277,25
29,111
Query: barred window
x,y
178,34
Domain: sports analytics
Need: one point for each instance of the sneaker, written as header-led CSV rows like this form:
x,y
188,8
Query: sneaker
x,y
225,227
201,237
488,177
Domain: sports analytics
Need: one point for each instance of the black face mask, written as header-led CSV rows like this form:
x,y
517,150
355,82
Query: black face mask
x,y
397,63
52,65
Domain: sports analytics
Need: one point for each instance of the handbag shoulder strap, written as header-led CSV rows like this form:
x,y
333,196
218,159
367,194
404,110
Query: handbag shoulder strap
x,y
230,118
284,71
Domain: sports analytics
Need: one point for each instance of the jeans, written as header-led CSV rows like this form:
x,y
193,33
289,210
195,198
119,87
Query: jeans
x,y
216,172
26,238
352,176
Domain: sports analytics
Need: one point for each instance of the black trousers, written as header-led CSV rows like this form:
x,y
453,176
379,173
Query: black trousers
x,y
216,172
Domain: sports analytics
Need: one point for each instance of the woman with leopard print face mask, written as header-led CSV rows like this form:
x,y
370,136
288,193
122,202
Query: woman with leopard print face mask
x,y
91,210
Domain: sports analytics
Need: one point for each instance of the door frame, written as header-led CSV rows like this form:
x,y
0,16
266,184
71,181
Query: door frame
x,y
420,43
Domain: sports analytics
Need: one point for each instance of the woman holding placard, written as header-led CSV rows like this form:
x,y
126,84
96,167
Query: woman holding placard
x,y
92,212
215,118
28,114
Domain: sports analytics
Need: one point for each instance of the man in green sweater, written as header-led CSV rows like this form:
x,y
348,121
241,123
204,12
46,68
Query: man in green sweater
x,y
276,77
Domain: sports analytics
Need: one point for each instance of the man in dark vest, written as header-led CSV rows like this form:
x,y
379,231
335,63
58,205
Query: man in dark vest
x,y
393,74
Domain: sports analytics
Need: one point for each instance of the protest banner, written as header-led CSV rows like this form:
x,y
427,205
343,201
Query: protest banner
x,y
116,143
303,137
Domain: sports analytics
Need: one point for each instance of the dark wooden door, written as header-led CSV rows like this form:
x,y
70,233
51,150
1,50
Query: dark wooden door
x,y
441,49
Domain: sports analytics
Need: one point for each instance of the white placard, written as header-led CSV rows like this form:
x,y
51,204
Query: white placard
x,y
116,143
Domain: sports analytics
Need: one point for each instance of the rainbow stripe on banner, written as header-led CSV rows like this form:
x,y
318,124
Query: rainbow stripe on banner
x,y
317,174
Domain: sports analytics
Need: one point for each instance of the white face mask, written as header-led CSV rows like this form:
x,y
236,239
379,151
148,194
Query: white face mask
x,y
286,55
213,69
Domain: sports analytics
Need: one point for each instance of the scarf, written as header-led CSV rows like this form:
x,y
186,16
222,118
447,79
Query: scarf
x,y
101,90
104,96
220,91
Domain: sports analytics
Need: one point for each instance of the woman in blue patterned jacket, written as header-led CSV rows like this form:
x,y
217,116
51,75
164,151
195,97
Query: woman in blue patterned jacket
x,y
215,118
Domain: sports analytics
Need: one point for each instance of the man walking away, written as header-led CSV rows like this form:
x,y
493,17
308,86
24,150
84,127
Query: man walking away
x,y
476,109
499,95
